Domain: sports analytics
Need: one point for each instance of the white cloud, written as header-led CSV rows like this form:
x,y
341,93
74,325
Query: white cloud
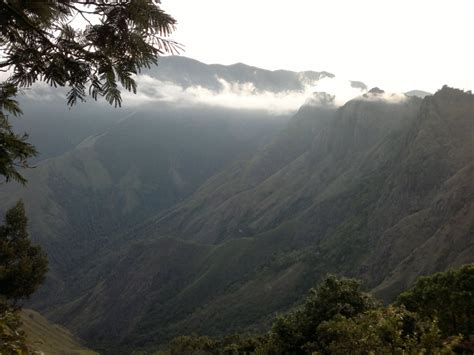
x,y
243,96
398,45
237,95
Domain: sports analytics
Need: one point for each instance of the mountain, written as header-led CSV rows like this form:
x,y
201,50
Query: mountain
x,y
54,128
419,93
176,215
187,72
378,189
80,201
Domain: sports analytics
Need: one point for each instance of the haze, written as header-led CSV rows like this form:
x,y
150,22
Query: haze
x,y
397,45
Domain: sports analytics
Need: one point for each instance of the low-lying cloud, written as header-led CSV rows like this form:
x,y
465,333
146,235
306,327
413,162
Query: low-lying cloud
x,y
239,95
244,96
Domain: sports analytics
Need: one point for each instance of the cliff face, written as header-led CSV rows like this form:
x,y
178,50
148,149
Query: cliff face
x,y
432,194
323,153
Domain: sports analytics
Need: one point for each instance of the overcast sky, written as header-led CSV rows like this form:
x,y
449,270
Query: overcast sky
x,y
398,45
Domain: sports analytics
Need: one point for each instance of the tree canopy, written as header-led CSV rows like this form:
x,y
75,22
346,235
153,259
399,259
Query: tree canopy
x,y
445,296
14,149
23,266
338,318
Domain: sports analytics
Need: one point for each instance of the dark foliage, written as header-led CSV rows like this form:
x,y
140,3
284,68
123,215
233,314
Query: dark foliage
x,y
447,297
338,318
23,266
14,150
334,297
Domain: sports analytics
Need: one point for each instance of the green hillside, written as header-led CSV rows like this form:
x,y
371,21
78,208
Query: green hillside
x,y
378,189
51,339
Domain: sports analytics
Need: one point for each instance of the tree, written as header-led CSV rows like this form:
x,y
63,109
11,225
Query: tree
x,y
23,266
39,41
338,318
297,331
392,330
14,150
445,296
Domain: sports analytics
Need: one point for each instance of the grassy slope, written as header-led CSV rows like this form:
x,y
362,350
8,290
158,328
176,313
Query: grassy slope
x,y
49,338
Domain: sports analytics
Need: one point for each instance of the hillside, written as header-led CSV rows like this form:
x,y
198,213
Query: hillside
x,y
49,338
378,188
79,202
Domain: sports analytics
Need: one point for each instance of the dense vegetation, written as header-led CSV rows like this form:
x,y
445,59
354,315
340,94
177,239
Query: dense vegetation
x,y
338,318
23,268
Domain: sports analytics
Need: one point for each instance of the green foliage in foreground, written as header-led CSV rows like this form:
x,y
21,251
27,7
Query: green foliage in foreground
x,y
334,298
14,150
12,339
434,317
23,267
446,296
392,330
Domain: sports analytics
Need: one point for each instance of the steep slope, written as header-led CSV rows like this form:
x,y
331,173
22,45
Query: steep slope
x,y
319,151
379,189
156,289
80,201
51,339
434,194
54,128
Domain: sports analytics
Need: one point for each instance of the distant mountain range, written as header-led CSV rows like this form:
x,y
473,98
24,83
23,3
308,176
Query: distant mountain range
x,y
188,72
419,93
161,219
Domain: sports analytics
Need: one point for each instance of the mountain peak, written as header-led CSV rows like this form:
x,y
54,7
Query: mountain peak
x,y
320,99
418,93
447,91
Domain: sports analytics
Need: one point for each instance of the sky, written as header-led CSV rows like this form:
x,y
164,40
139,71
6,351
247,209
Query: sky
x,y
397,45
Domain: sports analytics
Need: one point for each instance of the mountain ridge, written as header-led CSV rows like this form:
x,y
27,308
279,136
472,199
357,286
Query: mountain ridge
x,y
189,72
210,220
346,199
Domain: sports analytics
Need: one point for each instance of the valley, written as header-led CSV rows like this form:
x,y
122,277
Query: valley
x,y
162,219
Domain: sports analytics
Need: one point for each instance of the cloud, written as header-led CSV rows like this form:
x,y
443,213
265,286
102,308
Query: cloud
x,y
376,94
242,96
239,95
41,91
